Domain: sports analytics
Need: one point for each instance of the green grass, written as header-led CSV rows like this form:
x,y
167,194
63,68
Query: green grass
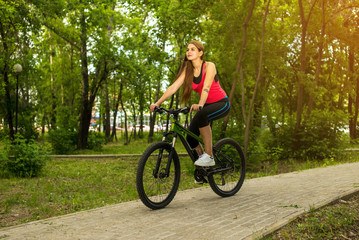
x,y
338,221
71,185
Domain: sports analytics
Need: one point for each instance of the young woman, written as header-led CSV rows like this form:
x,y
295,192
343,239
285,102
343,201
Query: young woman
x,y
200,76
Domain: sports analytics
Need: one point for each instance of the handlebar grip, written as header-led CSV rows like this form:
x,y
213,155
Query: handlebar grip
x,y
185,110
159,110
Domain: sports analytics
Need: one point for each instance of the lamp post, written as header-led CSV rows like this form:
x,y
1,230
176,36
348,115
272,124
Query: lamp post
x,y
17,69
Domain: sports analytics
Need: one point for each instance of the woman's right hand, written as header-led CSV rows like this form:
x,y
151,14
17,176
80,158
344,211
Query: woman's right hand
x,y
153,106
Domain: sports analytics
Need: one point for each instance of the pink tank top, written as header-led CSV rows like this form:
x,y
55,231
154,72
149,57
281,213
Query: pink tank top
x,y
215,94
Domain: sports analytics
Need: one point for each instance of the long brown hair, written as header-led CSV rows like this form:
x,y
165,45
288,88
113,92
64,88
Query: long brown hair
x,y
188,67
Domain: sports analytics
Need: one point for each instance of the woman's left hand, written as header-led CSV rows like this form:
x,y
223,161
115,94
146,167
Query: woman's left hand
x,y
196,107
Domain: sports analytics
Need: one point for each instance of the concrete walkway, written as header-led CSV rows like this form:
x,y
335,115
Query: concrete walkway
x,y
261,206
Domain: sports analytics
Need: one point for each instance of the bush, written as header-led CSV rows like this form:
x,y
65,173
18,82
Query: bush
x,y
62,140
278,145
4,134
95,140
26,121
322,137
319,138
22,158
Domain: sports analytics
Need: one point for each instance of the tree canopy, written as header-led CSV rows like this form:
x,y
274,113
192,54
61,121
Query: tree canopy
x,y
290,67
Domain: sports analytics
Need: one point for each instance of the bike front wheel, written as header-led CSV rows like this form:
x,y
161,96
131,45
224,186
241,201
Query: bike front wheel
x,y
155,186
229,173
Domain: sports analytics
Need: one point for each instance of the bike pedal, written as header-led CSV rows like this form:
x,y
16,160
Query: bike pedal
x,y
198,182
204,168
203,180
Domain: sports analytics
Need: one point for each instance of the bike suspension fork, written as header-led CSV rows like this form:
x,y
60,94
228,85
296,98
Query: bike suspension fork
x,y
170,156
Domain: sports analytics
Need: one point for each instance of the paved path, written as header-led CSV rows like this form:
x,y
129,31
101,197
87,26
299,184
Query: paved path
x,y
262,205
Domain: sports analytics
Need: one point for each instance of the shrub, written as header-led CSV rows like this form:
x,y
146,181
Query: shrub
x,y
26,126
319,138
4,134
62,140
278,142
95,140
22,158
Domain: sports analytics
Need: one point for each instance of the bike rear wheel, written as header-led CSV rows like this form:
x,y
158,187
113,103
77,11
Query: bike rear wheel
x,y
230,168
155,189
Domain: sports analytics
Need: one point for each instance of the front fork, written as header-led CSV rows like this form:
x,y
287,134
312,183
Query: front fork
x,y
169,161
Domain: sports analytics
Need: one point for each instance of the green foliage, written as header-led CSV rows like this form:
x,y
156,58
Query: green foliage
x,y
63,140
4,133
256,155
27,122
139,45
22,158
278,143
321,138
95,140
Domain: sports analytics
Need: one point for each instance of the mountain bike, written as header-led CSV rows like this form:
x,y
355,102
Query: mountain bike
x,y
158,172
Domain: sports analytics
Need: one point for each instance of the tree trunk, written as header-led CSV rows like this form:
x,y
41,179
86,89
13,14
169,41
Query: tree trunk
x,y
319,61
43,123
53,96
115,111
107,105
303,63
108,135
124,110
153,116
142,102
88,95
134,129
352,119
86,108
303,68
247,120
355,118
9,115
239,63
258,112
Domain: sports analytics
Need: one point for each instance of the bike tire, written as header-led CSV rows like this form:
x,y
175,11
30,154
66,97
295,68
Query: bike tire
x,y
157,192
228,154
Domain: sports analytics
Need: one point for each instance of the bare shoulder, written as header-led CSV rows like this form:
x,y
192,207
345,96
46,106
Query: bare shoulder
x,y
210,66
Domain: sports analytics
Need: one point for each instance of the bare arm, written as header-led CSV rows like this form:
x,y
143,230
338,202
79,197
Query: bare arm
x,y
210,73
170,91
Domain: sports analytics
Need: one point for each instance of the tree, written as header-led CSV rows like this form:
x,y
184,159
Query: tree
x,y
14,24
303,67
248,116
239,58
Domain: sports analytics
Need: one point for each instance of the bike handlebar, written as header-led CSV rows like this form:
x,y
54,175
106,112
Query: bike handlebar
x,y
184,110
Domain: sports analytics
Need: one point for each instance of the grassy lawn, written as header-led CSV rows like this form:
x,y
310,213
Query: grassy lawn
x,y
71,185
338,221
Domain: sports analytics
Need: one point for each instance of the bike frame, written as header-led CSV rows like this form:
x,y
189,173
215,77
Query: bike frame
x,y
177,130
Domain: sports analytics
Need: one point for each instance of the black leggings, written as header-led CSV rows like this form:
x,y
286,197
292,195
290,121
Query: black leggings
x,y
209,112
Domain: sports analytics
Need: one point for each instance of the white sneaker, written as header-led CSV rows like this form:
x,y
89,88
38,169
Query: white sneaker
x,y
205,161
